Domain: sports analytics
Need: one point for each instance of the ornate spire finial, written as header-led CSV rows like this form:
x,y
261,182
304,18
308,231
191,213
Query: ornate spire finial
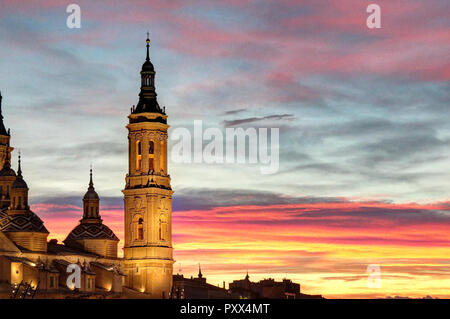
x,y
148,46
19,171
199,271
1,115
91,183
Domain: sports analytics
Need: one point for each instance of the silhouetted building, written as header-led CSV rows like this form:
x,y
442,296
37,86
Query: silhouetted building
x,y
197,288
268,289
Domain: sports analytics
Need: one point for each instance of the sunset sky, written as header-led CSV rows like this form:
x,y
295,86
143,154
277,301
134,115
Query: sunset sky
x,y
363,115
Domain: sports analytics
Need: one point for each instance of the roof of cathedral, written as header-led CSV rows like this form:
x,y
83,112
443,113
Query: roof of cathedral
x,y
63,250
28,222
91,231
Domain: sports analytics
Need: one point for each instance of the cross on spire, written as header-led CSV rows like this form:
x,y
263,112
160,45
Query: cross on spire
x,y
148,46
19,171
91,184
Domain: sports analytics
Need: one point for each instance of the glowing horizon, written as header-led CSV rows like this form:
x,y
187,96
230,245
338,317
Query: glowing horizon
x,y
327,255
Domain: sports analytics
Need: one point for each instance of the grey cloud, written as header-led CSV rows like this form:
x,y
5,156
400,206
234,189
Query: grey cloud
x,y
232,112
89,150
195,198
258,119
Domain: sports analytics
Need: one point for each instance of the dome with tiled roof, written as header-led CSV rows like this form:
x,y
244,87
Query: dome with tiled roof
x,y
91,231
29,222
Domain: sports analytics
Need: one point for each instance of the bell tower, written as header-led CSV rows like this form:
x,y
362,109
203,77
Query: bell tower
x,y
148,195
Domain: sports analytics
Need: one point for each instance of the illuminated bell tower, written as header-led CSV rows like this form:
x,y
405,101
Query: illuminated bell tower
x,y
148,196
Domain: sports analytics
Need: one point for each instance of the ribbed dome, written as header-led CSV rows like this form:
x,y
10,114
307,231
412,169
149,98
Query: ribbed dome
x,y
91,194
19,183
7,171
29,222
91,231
148,67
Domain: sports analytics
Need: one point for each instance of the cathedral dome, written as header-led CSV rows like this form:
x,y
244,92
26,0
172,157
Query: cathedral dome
x,y
19,183
91,194
148,67
7,171
29,222
91,231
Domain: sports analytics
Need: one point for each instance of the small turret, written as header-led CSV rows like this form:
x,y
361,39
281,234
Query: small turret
x,y
91,202
19,194
91,235
18,222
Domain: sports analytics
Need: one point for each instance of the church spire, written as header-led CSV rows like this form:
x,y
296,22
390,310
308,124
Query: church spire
x,y
3,130
148,47
19,182
91,183
19,169
1,98
147,96
91,201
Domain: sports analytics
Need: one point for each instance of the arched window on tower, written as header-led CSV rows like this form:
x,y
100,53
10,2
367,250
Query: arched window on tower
x,y
161,157
151,156
163,228
140,229
138,155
